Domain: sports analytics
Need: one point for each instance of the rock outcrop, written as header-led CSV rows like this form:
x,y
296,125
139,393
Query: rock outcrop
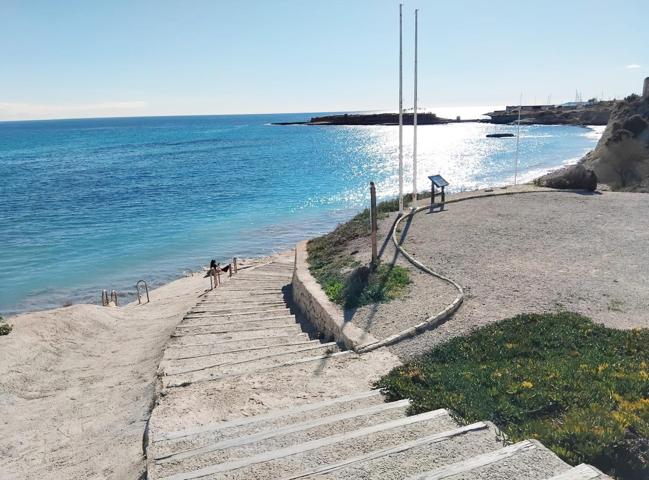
x,y
595,114
574,177
621,158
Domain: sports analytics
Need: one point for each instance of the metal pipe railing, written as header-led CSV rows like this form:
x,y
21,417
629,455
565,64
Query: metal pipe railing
x,y
146,289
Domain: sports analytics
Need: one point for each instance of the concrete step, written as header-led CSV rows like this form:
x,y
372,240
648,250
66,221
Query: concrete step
x,y
225,333
241,319
412,457
239,353
237,319
259,272
182,343
238,306
234,326
282,437
269,421
179,381
242,302
273,272
248,303
264,312
291,460
224,361
255,286
216,311
207,320
240,296
262,279
203,367
581,472
527,459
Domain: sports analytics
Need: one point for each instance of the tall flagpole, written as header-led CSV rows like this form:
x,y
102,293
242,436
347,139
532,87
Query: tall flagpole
x,y
414,124
400,109
518,137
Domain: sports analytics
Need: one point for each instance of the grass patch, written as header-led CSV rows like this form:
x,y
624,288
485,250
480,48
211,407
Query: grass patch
x,y
580,388
343,279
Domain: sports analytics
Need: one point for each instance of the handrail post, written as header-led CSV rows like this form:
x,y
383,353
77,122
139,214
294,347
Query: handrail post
x,y
236,267
104,298
146,289
113,295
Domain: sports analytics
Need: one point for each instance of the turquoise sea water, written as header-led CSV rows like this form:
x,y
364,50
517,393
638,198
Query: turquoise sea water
x,y
93,204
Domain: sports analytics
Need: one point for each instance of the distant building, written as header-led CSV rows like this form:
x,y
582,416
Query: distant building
x,y
528,108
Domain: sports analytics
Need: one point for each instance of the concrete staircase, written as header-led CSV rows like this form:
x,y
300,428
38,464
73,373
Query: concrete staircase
x,y
242,337
241,327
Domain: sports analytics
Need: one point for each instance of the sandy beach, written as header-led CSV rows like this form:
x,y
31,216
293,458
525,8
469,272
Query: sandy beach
x,y
76,385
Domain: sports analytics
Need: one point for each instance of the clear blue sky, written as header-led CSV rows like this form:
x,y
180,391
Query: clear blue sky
x,y
119,58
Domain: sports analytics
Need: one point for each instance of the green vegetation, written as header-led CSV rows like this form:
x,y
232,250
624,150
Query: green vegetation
x,y
580,388
361,286
5,328
343,279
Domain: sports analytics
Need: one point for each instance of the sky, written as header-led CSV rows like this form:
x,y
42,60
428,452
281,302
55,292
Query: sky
x,y
78,59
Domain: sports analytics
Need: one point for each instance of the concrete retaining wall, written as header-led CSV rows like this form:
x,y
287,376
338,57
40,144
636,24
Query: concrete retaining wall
x,y
327,317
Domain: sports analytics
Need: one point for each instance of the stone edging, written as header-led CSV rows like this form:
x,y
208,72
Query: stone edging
x,y
312,301
451,308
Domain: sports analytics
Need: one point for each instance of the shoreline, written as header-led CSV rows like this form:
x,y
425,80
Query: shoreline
x,y
131,297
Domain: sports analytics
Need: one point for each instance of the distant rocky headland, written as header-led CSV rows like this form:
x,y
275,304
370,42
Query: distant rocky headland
x,y
574,113
373,119
591,112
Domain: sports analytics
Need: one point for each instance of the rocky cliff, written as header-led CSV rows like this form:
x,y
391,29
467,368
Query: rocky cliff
x,y
621,158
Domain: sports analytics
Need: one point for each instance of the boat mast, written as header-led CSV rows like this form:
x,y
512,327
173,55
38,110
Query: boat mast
x,y
518,138
400,109
414,124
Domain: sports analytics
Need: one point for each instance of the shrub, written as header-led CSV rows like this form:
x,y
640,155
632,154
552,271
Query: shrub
x,y
5,328
580,388
364,287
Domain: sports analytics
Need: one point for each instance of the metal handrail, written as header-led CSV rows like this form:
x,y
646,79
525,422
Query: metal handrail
x,y
104,298
113,297
146,289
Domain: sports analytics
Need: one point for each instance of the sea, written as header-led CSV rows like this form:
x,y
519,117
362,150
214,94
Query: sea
x,y
94,204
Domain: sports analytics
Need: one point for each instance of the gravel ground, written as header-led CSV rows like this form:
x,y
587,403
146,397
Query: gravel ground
x,y
530,253
424,297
